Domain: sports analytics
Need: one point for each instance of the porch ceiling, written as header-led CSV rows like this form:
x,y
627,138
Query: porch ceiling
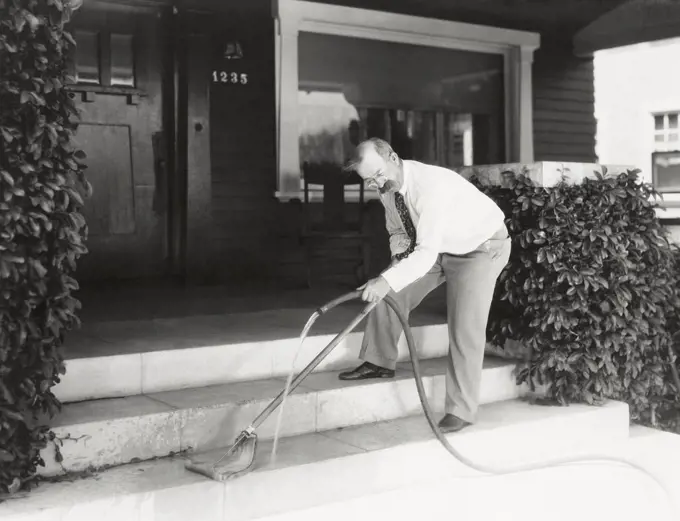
x,y
634,21
560,19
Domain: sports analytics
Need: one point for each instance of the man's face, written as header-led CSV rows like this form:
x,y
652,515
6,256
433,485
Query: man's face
x,y
377,172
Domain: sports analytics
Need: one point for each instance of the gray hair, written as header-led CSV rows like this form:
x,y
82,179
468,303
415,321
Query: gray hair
x,y
382,147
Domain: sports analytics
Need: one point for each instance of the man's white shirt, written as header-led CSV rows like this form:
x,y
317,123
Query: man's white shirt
x,y
449,213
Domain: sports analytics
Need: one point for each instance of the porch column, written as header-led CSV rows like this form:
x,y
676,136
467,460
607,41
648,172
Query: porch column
x,y
526,105
287,86
522,137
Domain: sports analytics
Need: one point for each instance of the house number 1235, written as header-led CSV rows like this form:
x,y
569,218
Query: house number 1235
x,y
229,77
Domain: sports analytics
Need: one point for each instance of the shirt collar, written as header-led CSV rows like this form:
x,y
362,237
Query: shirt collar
x,y
405,170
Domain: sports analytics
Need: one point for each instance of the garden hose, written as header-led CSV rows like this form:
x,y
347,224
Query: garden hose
x,y
240,457
489,470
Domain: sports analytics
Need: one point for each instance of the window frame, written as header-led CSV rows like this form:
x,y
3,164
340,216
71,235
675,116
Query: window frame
x,y
295,16
655,175
104,28
666,145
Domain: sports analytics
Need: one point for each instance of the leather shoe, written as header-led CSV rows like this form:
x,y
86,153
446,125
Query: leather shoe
x,y
365,371
450,423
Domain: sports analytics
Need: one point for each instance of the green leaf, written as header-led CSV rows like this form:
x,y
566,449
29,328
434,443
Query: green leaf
x,y
8,257
6,457
4,174
39,268
6,394
591,365
13,415
33,21
6,135
19,20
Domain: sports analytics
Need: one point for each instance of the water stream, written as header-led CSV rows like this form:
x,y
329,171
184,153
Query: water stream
x,y
289,380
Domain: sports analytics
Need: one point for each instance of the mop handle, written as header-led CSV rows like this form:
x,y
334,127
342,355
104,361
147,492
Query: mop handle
x,y
317,360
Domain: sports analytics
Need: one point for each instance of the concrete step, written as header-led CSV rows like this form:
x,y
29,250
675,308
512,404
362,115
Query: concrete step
x,y
341,465
163,355
99,433
598,491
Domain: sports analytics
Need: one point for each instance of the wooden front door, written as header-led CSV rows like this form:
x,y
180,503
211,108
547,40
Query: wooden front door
x,y
119,66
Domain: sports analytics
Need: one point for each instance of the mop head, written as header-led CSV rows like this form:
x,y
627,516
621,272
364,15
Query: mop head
x,y
238,460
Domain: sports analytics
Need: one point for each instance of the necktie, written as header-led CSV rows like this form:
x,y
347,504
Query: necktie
x,y
408,225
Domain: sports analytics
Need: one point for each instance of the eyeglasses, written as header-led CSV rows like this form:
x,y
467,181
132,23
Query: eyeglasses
x,y
372,182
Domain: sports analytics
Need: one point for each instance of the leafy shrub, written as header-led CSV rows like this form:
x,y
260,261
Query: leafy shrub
x,y
590,289
41,229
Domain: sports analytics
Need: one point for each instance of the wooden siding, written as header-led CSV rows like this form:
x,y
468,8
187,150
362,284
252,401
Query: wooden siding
x,y
243,153
564,105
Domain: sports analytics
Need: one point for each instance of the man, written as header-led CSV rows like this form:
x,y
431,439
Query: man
x,y
442,229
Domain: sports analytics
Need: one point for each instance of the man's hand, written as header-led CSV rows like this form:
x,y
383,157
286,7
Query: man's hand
x,y
375,290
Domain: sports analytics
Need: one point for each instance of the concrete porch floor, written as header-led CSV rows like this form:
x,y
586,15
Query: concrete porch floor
x,y
152,299
147,318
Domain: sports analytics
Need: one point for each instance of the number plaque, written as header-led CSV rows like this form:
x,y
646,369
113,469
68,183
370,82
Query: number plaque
x,y
230,77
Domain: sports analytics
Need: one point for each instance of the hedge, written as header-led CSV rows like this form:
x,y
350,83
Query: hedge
x,y
591,289
42,232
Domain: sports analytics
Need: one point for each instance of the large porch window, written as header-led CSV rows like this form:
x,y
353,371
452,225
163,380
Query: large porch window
x,y
440,92
439,106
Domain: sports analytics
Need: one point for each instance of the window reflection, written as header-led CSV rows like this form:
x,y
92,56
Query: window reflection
x,y
325,118
666,171
659,122
434,105
87,58
88,62
122,60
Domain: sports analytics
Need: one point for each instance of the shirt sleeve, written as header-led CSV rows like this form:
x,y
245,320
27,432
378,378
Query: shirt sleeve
x,y
429,239
399,240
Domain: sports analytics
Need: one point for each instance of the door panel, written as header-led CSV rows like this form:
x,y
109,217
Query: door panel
x,y
120,99
111,209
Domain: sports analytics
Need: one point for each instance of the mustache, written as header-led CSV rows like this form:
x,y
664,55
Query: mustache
x,y
389,186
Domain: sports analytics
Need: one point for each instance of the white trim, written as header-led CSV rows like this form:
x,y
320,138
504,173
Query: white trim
x,y
667,215
525,105
510,105
646,112
316,195
663,106
364,23
294,16
277,89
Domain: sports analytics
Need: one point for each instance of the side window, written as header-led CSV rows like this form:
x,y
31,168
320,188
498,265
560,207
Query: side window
x,y
666,131
666,154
